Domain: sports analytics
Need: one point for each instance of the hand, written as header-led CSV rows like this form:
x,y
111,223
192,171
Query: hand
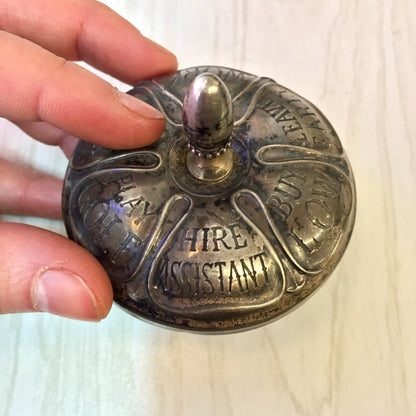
x,y
55,100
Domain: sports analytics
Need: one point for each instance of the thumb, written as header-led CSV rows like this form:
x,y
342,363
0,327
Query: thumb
x,y
45,272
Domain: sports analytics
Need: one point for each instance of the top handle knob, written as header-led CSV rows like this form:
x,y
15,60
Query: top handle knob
x,y
208,118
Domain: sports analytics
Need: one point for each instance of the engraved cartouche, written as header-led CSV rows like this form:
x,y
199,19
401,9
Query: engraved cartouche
x,y
239,211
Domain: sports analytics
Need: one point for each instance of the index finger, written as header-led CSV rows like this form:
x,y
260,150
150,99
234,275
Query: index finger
x,y
39,86
90,31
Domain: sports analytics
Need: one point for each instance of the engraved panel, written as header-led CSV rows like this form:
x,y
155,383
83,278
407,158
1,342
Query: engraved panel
x,y
217,268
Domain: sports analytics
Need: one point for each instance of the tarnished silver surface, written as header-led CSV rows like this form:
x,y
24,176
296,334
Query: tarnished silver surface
x,y
235,215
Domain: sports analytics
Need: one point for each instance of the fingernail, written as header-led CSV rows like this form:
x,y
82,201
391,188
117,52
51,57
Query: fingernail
x,y
139,107
65,294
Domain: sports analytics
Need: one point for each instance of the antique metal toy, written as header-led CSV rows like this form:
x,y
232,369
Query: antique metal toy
x,y
237,213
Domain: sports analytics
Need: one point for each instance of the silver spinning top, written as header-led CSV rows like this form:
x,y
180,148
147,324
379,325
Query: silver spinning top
x,y
237,213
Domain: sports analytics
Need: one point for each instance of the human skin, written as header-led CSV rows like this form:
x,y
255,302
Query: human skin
x,y
56,101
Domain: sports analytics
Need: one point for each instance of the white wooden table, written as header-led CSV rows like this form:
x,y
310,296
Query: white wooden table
x,y
349,350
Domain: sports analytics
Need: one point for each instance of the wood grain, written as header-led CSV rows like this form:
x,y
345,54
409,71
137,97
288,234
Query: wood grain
x,y
347,351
